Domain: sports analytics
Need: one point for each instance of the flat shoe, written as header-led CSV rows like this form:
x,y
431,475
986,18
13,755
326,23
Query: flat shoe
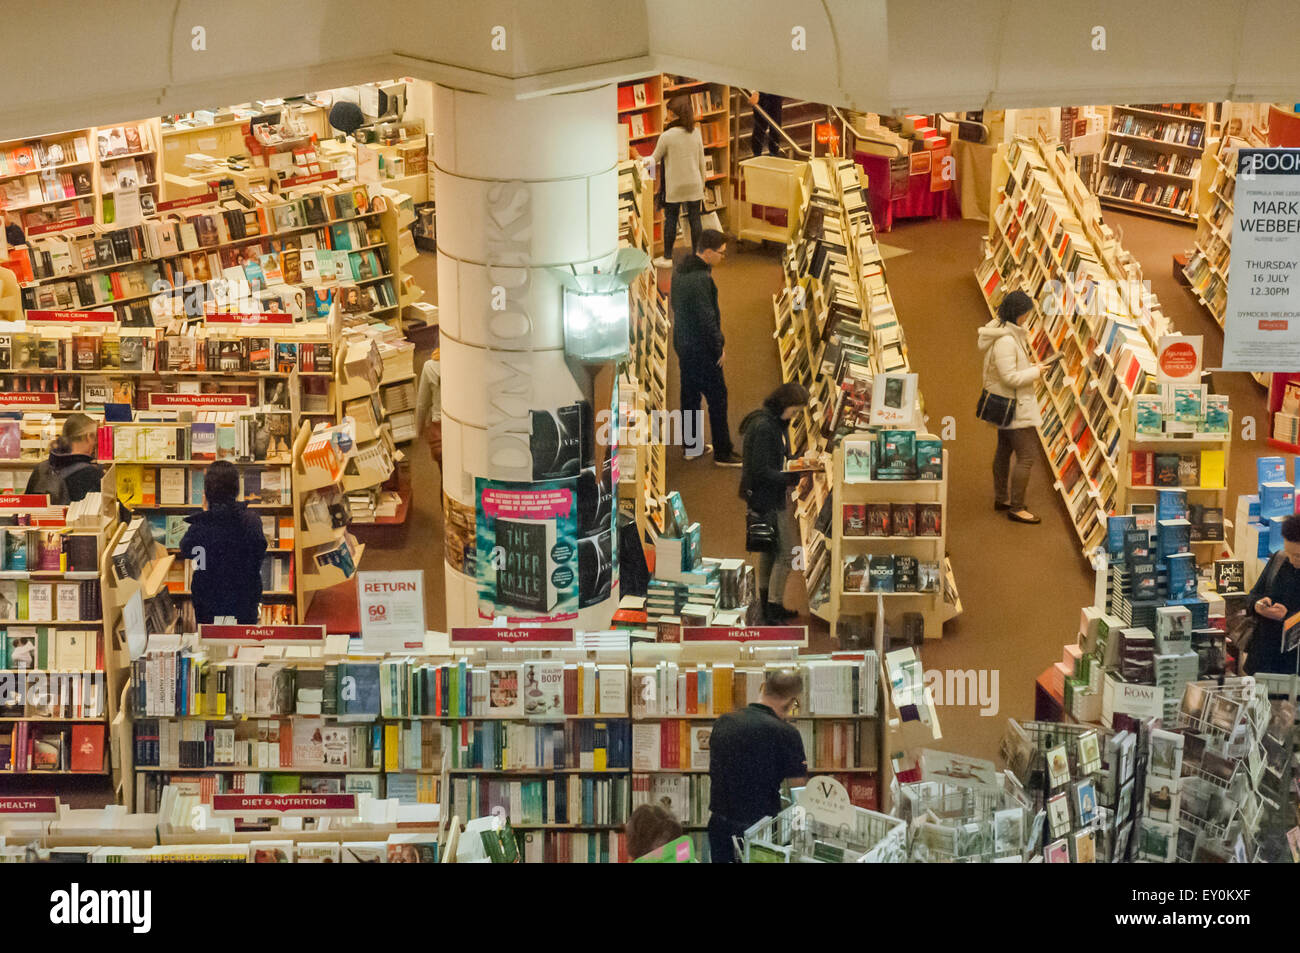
x,y
1021,519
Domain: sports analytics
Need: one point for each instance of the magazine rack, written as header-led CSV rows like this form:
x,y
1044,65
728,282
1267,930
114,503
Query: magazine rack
x,y
795,837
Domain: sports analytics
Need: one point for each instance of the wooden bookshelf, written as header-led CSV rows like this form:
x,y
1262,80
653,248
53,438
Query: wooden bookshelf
x,y
50,181
643,112
49,677
308,543
1155,152
1047,238
1207,270
845,547
1211,496
138,167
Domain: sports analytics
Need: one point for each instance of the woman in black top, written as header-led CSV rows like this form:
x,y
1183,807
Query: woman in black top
x,y
765,488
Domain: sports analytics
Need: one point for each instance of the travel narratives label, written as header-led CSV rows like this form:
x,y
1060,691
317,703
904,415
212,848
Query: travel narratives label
x,y
1261,323
35,400
158,401
308,804
496,635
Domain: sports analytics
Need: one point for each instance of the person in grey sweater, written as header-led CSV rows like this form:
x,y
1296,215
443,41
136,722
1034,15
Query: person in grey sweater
x,y
679,156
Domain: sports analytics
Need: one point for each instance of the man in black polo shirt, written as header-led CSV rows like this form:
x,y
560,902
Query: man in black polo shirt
x,y
751,751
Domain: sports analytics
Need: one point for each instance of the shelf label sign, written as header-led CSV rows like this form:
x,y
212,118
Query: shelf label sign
x,y
22,501
308,805
766,634
540,636
392,610
249,317
74,317
166,401
298,180
262,633
62,226
1261,323
30,808
207,198
1179,359
31,400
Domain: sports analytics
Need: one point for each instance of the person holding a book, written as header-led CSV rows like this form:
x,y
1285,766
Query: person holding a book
x,y
226,544
751,751
698,341
679,154
765,485
1274,598
70,471
1009,372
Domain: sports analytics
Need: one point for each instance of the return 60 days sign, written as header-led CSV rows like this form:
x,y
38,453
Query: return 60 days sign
x,y
391,606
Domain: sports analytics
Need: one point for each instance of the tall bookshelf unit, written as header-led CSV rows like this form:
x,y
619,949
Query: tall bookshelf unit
x,y
1047,238
835,296
1152,159
1207,270
643,110
325,552
59,681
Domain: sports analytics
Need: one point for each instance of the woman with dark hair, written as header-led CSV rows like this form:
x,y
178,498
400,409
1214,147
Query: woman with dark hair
x,y
679,155
1010,372
226,544
765,488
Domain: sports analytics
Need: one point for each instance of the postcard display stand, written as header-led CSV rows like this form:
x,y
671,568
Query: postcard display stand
x,y
60,673
1045,230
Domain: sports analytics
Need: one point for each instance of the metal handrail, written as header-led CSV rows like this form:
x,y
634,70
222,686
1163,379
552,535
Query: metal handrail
x,y
860,136
794,146
953,119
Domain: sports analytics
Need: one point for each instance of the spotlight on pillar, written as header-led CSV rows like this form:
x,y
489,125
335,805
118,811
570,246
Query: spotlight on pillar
x,y
596,311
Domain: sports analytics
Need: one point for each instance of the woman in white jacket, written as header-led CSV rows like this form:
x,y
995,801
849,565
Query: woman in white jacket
x,y
679,157
1010,372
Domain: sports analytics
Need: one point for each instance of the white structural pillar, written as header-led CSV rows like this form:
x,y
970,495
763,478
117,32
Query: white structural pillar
x,y
522,187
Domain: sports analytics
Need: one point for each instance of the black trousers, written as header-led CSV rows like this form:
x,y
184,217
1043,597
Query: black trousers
x,y
704,379
764,134
721,850
672,212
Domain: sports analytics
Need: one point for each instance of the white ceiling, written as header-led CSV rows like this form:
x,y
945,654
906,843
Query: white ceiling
x,y
133,58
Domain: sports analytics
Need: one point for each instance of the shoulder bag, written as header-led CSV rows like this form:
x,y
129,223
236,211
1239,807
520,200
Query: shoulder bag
x,y
760,534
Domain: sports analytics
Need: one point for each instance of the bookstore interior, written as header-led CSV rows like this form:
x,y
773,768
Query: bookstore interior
x,y
501,602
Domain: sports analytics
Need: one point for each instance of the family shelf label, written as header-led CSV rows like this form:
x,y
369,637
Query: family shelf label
x,y
262,633
1261,323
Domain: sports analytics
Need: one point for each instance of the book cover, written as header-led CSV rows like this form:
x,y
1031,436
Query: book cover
x,y
543,687
929,459
906,574
1189,470
1229,575
879,522
504,697
855,519
1148,414
929,519
1166,469
880,573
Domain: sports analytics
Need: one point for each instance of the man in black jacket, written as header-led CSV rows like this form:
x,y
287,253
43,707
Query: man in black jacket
x,y
698,341
227,544
71,471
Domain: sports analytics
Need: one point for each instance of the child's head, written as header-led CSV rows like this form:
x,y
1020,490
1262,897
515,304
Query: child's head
x,y
648,828
221,483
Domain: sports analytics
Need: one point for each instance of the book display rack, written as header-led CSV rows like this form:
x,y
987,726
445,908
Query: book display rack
x,y
838,334
1047,238
644,388
1152,159
1207,270
643,114
887,545
59,681
325,553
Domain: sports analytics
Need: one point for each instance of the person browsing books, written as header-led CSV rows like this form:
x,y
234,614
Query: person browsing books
x,y
226,544
679,153
1009,372
765,488
698,341
428,411
751,751
1275,597
70,471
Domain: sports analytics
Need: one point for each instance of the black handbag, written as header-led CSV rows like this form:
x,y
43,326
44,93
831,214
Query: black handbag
x,y
995,409
760,534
